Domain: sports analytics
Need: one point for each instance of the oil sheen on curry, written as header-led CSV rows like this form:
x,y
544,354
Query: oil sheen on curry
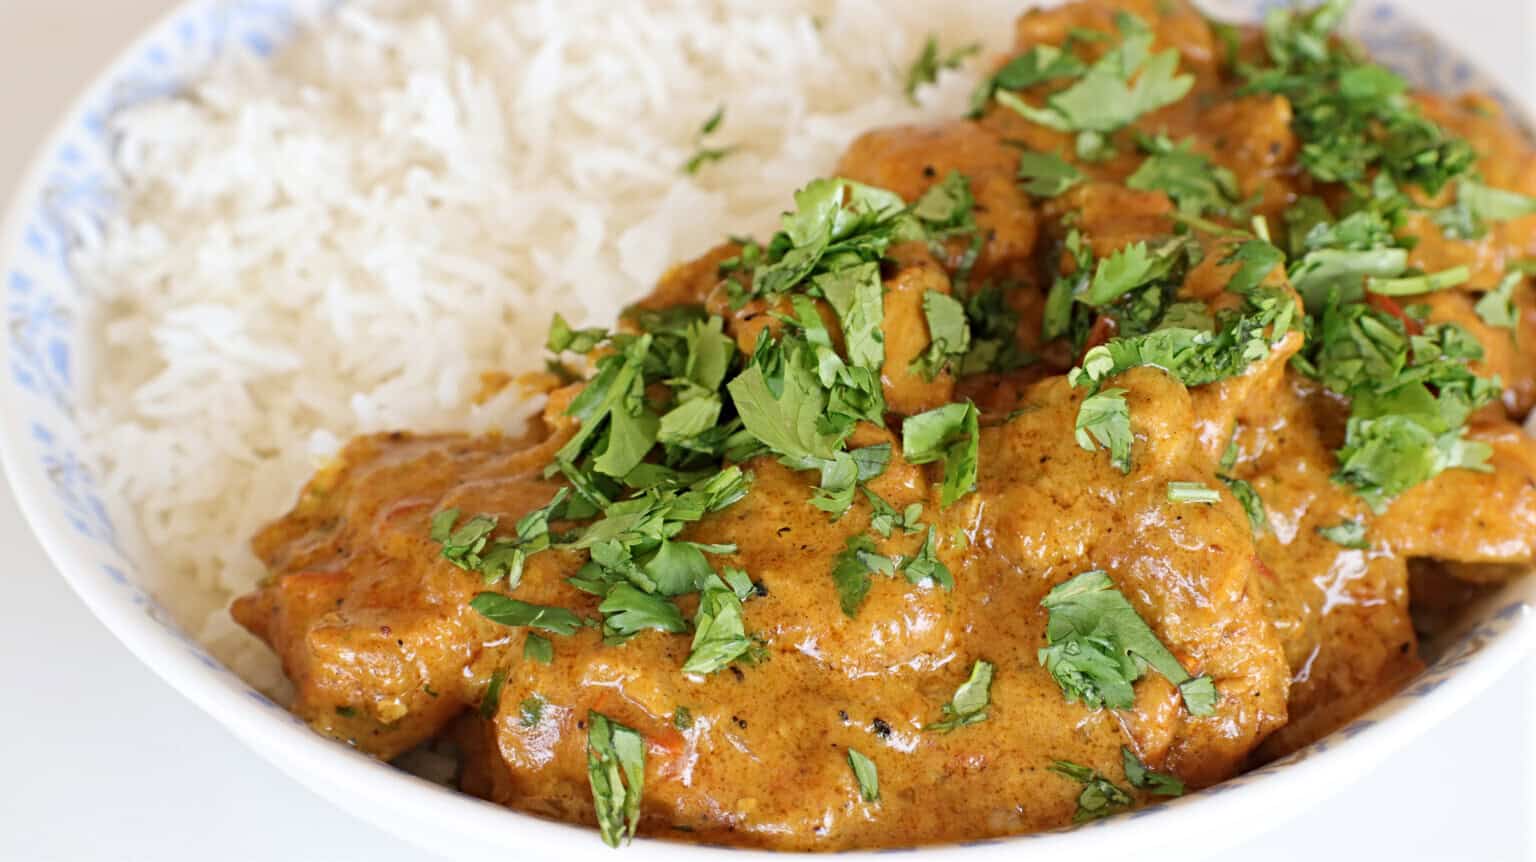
x,y
1079,452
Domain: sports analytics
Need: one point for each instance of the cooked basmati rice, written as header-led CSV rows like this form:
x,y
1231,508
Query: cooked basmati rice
x,y
342,239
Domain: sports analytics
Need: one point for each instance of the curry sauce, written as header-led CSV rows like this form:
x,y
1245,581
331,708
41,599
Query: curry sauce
x,y
1268,568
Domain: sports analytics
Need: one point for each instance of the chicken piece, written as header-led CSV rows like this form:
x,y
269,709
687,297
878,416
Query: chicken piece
x,y
1341,613
372,625
908,160
828,681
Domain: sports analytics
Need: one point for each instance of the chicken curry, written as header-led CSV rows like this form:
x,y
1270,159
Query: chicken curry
x,y
1081,451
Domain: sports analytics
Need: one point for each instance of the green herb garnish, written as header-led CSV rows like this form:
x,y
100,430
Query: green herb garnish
x,y
1097,645
969,705
616,771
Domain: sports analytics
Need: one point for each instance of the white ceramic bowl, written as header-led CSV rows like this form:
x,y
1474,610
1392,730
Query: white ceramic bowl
x,y
42,343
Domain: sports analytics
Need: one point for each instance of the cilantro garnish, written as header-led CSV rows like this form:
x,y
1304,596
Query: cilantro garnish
x,y
1100,797
1346,534
885,519
1410,396
1351,115
1142,778
682,718
616,771
925,566
1046,175
1192,492
538,648
508,611
1497,306
1097,645
925,69
865,773
531,711
1105,98
1104,420
492,697
1252,504
851,570
969,705
719,632
1194,183
704,155
951,433
949,334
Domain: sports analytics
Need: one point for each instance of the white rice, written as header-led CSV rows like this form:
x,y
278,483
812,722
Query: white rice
x,y
342,240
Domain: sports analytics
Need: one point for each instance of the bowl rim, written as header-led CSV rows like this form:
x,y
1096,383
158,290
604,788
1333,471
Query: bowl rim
x,y
422,812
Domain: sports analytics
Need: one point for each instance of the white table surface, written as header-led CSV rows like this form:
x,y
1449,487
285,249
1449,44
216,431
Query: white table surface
x,y
102,760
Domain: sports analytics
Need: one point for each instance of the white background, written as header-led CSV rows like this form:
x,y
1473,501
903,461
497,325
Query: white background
x,y
101,760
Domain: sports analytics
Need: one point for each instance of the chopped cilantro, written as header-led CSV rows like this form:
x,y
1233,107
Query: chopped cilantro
x,y
1346,534
492,697
1191,492
949,334
969,705
1194,183
1497,307
1097,645
884,518
616,771
704,155
925,566
1142,778
510,612
1046,175
925,69
628,611
1104,420
851,570
682,718
719,635
1252,504
1100,797
1104,98
537,648
531,711
951,433
865,774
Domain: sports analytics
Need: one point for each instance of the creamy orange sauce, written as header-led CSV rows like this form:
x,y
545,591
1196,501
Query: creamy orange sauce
x,y
1298,633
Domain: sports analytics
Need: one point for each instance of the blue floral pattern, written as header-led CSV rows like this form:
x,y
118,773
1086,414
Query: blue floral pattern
x,y
43,298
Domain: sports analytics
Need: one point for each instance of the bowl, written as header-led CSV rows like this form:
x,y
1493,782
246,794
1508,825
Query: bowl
x,y
91,542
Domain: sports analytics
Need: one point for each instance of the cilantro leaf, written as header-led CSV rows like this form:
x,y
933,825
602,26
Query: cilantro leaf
x,y
787,421
1143,778
1104,420
1100,797
1105,99
720,635
925,564
1252,504
1346,534
492,697
865,773
1097,645
510,612
851,570
969,705
1046,175
885,519
1192,492
531,711
925,69
857,295
1194,183
1038,65
949,334
538,648
616,772
629,611
951,433
1497,307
